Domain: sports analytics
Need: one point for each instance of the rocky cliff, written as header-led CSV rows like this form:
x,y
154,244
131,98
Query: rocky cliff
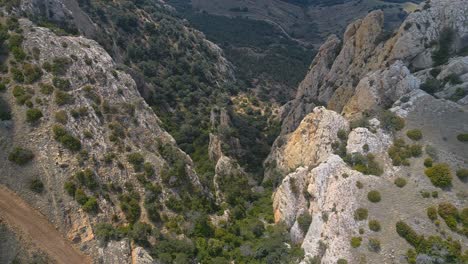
x,y
345,186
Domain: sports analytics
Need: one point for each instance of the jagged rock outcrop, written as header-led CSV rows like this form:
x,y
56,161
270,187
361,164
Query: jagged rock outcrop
x,y
371,73
366,50
310,143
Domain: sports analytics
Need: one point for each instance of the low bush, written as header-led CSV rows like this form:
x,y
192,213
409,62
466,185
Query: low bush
x,y
440,175
374,196
46,89
431,86
70,188
342,261
91,205
20,156
63,98
80,196
32,73
61,117
400,152
432,213
463,137
374,225
414,134
374,245
428,162
400,182
36,186
304,221
33,115
449,213
356,242
361,214
364,164
5,111
68,141
391,122
136,159
406,232
462,174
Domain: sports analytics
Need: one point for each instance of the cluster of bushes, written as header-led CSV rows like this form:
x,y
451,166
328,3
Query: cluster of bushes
x,y
391,122
400,152
374,225
364,164
440,175
76,185
462,174
130,205
448,251
20,156
453,217
22,95
66,138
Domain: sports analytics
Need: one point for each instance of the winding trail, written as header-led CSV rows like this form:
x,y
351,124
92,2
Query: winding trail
x,y
17,213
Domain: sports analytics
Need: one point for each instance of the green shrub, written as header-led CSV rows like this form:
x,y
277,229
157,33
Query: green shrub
x,y
374,196
32,73
364,164
431,86
391,121
17,75
67,140
60,65
86,178
61,84
453,79
304,221
5,112
36,186
374,245
20,156
342,261
414,134
70,188
400,152
46,89
359,185
105,232
80,196
131,208
463,137
91,205
33,115
432,213
21,95
374,225
356,242
449,213
136,159
440,175
462,174
361,214
406,232
63,98
428,162
442,54
400,182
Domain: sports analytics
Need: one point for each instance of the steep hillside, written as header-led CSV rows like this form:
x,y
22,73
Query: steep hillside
x,y
386,161
83,145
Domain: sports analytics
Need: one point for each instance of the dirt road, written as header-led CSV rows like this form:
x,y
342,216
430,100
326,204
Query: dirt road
x,y
16,212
